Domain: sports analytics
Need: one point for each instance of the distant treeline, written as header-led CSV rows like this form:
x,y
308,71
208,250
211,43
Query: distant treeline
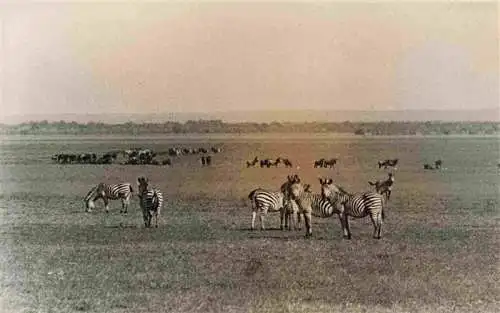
x,y
218,126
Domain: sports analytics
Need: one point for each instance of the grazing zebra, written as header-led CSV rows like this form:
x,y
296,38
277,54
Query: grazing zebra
x,y
151,200
253,162
107,192
388,163
384,187
356,205
310,204
265,201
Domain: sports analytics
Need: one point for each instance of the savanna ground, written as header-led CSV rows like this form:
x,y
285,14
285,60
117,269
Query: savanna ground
x,y
439,251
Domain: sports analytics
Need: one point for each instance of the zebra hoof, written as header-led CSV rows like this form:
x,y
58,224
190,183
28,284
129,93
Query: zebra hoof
x,y
347,237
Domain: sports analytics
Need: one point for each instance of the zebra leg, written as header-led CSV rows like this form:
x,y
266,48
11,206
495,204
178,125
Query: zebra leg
x,y
106,205
307,218
261,217
156,219
283,219
145,217
254,214
298,221
377,224
345,225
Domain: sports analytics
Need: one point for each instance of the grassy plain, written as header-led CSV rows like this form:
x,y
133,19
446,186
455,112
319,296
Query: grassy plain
x,y
439,251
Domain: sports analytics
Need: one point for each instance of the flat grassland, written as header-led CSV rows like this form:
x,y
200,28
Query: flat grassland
x,y
439,251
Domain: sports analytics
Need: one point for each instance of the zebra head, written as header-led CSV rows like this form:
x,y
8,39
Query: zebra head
x,y
142,182
91,196
297,189
328,188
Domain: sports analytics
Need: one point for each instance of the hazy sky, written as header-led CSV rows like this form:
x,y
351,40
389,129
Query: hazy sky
x,y
128,58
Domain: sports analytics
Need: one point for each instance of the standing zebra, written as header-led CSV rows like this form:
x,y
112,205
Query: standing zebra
x,y
356,205
310,204
107,192
384,187
151,200
274,201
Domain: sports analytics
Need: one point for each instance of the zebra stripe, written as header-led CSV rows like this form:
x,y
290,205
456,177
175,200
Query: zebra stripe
x,y
265,201
106,192
310,204
151,202
356,205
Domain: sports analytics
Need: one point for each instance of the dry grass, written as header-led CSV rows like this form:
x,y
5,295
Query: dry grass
x,y
439,251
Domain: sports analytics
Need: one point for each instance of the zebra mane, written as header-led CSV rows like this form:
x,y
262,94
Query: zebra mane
x,y
342,190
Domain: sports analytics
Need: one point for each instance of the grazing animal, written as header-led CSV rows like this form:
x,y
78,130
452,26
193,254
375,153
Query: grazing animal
x,y
310,204
216,149
287,162
167,162
208,160
319,163
151,201
330,163
388,163
106,192
384,187
438,164
203,161
253,162
357,205
428,167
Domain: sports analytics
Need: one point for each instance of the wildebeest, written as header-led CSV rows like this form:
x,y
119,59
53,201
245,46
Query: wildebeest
x,y
388,163
319,163
253,162
428,167
287,162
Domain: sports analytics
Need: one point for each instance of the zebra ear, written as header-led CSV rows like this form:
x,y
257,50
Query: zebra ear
x,y
330,181
321,181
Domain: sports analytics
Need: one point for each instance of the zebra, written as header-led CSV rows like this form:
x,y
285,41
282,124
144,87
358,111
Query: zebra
x,y
388,163
357,205
108,192
428,167
384,187
310,204
151,200
274,201
438,164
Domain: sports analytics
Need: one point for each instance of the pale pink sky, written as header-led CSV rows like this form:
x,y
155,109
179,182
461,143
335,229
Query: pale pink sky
x,y
184,57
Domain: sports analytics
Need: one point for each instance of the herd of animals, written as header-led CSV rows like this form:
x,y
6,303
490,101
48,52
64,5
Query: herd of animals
x,y
135,156
294,200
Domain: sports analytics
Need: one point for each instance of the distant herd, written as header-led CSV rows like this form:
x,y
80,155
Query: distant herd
x,y
135,156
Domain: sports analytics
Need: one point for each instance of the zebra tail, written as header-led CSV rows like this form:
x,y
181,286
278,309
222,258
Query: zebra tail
x,y
131,189
383,214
